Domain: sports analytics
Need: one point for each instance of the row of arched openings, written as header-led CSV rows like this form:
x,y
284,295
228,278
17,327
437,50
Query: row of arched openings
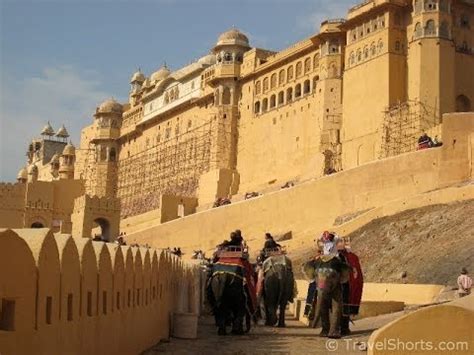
x,y
285,96
286,75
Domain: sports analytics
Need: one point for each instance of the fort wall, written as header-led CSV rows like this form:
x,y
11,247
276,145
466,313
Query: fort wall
x,y
67,295
314,205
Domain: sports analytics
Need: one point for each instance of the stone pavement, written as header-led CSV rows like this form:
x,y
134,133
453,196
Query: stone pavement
x,y
296,339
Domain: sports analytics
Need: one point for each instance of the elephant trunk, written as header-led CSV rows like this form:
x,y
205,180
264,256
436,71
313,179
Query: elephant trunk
x,y
317,312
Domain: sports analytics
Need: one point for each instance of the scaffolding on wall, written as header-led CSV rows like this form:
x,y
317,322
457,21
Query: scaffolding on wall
x,y
171,166
403,124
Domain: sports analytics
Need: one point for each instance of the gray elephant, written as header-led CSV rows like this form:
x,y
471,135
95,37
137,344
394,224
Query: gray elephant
x,y
227,297
278,288
330,273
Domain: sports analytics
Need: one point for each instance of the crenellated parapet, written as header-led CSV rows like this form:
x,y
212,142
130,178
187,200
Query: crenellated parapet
x,y
72,289
98,203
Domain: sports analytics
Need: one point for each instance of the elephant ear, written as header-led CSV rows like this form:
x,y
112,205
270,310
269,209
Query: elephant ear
x,y
345,275
309,270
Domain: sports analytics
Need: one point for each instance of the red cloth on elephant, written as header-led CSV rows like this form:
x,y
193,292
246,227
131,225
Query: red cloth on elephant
x,y
241,267
356,279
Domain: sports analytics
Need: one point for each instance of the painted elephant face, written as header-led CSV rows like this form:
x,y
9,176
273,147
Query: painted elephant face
x,y
327,278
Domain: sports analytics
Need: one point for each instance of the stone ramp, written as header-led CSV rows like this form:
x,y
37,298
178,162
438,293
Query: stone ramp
x,y
296,338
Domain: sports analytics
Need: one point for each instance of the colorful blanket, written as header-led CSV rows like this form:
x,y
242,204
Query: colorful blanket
x,y
243,269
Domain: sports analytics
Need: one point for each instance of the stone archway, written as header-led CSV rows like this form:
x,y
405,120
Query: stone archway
x,y
104,226
37,225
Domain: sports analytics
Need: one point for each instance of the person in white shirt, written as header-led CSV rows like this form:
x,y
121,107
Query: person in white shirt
x,y
464,283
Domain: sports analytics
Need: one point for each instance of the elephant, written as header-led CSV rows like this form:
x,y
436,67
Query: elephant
x,y
330,273
278,288
227,297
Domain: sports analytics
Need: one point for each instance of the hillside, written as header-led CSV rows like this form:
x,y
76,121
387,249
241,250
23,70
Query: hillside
x,y
429,245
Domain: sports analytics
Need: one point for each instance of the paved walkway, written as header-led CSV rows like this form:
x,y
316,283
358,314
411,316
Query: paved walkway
x,y
296,338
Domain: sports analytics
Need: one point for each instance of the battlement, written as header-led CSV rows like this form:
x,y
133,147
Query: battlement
x,y
82,261
15,188
97,203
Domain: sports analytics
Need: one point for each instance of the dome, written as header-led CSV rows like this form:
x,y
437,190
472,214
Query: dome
x,y
69,149
22,174
62,132
109,106
209,59
160,74
33,169
138,77
47,130
233,37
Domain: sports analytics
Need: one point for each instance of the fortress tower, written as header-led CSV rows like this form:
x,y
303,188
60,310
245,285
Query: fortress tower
x,y
104,134
66,167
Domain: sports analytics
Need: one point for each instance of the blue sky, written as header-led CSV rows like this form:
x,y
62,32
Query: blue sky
x,y
59,59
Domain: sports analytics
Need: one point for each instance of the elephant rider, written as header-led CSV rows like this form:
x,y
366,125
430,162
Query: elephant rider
x,y
237,240
352,289
269,244
330,272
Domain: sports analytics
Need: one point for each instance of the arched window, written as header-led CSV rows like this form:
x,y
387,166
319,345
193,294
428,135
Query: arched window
x,y
257,108
333,47
430,29
289,95
418,30
375,25
299,69
265,105
272,101
258,87
359,55
382,21
463,104
281,77
298,90
273,81
112,154
444,30
431,5
265,85
307,65
289,73
316,61
167,98
373,49
306,87
281,98
333,72
352,58
315,82
366,52
380,46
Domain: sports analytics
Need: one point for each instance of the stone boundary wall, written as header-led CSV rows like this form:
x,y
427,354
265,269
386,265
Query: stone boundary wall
x,y
442,329
64,295
410,294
